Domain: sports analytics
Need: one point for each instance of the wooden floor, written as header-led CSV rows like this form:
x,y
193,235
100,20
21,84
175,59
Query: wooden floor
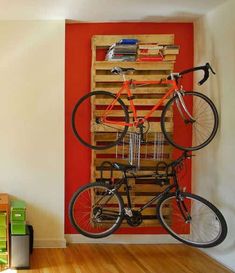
x,y
97,258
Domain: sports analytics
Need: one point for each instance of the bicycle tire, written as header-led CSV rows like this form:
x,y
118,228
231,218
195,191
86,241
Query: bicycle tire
x,y
184,231
83,131
201,131
88,216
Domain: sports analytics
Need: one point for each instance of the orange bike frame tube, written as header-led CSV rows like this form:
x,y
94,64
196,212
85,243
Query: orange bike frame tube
x,y
126,86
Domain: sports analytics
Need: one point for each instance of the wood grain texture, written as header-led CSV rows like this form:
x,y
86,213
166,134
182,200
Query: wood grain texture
x,y
97,258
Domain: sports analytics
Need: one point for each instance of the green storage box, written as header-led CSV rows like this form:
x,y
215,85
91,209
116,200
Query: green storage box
x,y
18,210
3,258
3,219
3,245
18,228
18,215
3,232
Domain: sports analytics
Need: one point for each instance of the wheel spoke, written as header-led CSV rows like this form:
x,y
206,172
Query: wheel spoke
x,y
202,130
87,122
205,227
95,211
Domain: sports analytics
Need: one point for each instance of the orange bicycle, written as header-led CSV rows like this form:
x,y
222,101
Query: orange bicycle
x,y
194,112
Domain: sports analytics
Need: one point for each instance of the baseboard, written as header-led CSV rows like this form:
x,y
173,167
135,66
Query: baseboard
x,y
123,239
49,243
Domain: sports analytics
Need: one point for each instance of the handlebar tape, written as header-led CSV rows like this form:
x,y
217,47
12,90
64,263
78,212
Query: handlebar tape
x,y
205,68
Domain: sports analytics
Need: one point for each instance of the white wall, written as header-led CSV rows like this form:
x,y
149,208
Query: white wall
x,y
32,122
214,167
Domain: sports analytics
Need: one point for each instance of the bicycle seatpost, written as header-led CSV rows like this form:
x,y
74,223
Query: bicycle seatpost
x,y
124,77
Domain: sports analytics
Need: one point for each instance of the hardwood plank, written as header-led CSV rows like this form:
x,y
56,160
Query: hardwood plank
x,y
147,89
122,258
144,162
144,102
125,149
154,127
108,65
108,40
118,78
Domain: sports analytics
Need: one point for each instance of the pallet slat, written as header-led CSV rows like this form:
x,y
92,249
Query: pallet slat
x,y
156,66
108,40
118,78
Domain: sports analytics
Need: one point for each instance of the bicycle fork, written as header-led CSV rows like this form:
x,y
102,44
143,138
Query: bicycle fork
x,y
181,106
183,209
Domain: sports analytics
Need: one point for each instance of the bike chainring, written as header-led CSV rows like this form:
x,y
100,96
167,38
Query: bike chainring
x,y
134,220
144,127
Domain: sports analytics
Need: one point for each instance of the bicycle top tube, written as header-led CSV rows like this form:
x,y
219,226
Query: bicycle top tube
x,y
124,71
173,76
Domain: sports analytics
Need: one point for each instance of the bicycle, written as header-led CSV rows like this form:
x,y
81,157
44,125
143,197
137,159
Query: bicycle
x,y
195,113
97,209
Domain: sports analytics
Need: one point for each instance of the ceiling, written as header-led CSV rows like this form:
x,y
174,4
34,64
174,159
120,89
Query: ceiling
x,y
106,10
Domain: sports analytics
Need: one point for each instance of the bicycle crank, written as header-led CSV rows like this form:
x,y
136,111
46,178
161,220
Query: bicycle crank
x,y
135,220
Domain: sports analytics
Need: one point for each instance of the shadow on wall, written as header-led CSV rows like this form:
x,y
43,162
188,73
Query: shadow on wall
x,y
210,164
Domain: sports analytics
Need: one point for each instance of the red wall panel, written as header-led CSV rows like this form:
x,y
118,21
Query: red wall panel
x,y
77,83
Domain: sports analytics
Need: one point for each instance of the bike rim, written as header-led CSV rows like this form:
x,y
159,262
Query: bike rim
x,y
195,129
96,211
89,126
203,229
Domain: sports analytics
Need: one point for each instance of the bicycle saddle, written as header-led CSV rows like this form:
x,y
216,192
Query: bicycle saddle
x,y
123,167
121,70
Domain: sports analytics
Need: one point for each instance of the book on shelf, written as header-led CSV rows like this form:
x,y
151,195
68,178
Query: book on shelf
x,y
150,46
171,49
128,41
119,52
147,51
158,58
169,57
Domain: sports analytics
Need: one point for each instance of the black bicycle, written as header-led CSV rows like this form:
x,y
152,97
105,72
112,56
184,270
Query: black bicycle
x,y
97,209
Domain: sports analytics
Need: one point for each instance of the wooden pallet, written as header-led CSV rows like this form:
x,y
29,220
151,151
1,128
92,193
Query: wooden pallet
x,y
102,79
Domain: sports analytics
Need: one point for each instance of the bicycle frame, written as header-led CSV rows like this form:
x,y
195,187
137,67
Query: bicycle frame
x,y
126,87
124,181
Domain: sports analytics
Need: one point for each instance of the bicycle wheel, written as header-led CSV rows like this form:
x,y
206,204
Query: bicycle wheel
x,y
96,210
87,121
190,133
192,220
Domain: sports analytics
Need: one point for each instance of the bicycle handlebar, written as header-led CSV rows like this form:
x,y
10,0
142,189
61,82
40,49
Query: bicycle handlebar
x,y
206,68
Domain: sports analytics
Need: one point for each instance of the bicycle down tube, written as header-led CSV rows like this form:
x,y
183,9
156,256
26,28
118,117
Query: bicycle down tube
x,y
126,86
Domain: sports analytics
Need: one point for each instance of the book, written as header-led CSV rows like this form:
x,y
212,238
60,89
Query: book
x,y
119,52
147,51
128,41
171,49
150,46
150,59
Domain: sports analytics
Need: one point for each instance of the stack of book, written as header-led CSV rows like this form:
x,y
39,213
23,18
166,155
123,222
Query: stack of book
x,y
149,52
171,49
124,50
170,52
